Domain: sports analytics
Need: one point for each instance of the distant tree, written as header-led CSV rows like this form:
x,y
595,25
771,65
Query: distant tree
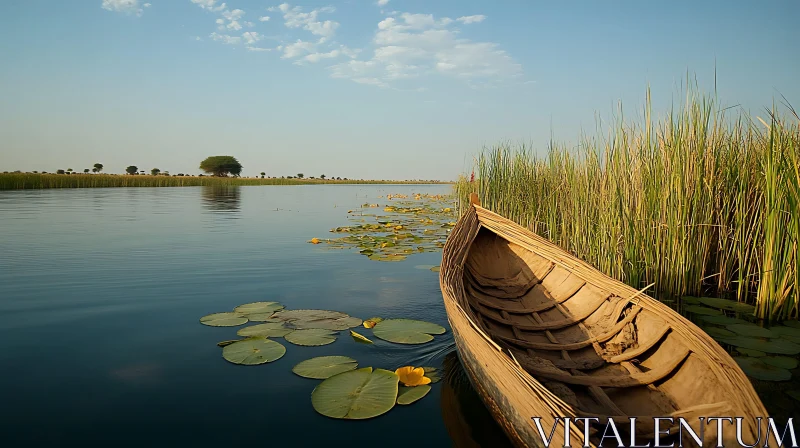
x,y
86,170
338,178
132,169
94,170
98,167
35,172
322,176
70,170
60,172
263,174
155,171
44,172
221,166
312,177
299,175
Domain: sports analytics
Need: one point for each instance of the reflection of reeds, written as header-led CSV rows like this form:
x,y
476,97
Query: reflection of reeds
x,y
697,203
221,198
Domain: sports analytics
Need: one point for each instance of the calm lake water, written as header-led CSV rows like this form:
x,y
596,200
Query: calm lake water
x,y
102,289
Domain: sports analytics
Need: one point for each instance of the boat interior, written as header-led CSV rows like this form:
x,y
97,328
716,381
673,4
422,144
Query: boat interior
x,y
601,354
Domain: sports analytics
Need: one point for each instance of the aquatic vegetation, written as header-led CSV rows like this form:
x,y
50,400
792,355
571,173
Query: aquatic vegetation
x,y
408,395
324,367
223,320
311,337
253,351
406,228
356,395
783,362
22,181
372,321
776,346
358,337
756,368
258,308
317,319
699,202
267,330
406,331
412,376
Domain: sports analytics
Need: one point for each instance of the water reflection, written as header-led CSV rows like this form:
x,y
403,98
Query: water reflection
x,y
467,420
221,198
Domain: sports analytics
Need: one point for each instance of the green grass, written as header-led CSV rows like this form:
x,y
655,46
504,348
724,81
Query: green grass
x,y
701,203
24,181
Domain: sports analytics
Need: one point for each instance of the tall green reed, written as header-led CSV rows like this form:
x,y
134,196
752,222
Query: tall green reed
x,y
697,202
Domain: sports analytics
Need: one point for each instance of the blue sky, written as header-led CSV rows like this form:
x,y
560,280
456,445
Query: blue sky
x,y
395,89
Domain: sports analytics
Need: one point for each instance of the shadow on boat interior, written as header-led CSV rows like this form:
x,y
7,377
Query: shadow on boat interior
x,y
603,355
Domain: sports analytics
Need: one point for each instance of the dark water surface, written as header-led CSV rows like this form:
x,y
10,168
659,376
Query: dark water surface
x,y
102,289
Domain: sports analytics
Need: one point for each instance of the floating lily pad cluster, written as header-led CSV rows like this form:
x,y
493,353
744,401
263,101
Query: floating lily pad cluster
x,y
763,353
346,391
300,327
405,228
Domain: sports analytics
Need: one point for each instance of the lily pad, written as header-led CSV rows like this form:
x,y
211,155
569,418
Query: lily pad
x,y
697,309
722,320
751,330
690,300
223,320
436,268
311,337
260,317
323,367
716,332
748,352
258,308
319,319
357,394
407,331
408,395
270,329
755,368
359,338
777,346
729,305
253,351
783,362
781,331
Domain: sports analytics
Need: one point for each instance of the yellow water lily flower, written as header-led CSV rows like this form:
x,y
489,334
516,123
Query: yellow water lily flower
x,y
314,240
411,376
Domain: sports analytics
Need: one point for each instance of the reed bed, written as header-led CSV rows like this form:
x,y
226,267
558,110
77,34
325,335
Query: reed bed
x,y
699,202
21,181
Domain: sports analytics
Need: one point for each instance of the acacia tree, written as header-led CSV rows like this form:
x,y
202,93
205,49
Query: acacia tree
x,y
155,171
86,170
263,174
322,176
299,175
98,167
221,166
132,169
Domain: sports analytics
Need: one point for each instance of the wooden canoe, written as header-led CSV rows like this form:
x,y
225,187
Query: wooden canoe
x,y
543,334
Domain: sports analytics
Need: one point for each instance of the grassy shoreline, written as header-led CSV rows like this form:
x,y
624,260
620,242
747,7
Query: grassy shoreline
x,y
698,203
33,181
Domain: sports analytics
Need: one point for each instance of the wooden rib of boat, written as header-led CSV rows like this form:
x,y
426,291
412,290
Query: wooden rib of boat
x,y
543,334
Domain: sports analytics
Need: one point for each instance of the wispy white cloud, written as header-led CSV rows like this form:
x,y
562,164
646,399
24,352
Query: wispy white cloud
x,y
466,20
251,37
418,45
124,6
210,5
294,17
382,2
263,19
226,38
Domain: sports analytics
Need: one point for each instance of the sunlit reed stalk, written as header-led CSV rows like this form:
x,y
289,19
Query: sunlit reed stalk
x,y
699,202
